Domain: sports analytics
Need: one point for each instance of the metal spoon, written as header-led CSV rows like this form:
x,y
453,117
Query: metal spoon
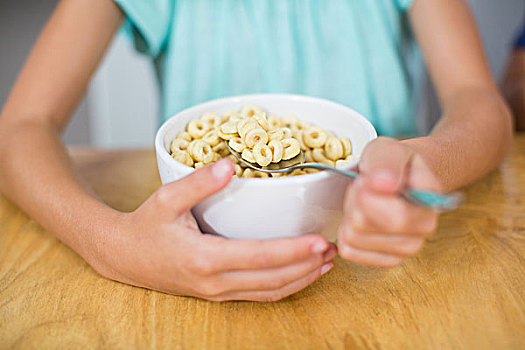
x,y
437,201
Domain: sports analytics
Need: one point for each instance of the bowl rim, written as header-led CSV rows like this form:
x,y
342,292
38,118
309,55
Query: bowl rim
x,y
186,170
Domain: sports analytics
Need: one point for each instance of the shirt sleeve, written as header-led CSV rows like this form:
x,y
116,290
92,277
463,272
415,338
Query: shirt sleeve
x,y
404,4
148,22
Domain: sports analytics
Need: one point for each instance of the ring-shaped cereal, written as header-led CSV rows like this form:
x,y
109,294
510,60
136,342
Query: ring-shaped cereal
x,y
289,121
274,122
228,114
302,125
246,125
216,157
291,148
212,119
276,134
237,117
347,146
198,128
185,136
250,110
256,136
333,149
314,137
319,157
229,127
297,172
212,138
308,157
254,173
298,135
247,155
198,165
237,144
221,149
260,118
287,133
238,170
200,151
178,145
225,136
262,154
277,150
183,157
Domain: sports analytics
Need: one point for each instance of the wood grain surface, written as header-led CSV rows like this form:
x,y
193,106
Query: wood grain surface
x,y
465,290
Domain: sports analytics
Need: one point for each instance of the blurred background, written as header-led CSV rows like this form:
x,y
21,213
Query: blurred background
x,y
124,93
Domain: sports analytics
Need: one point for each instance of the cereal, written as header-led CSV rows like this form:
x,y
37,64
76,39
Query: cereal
x,y
185,136
276,147
319,156
314,137
256,136
197,128
247,155
287,133
246,125
200,151
178,145
237,144
262,154
212,138
333,149
291,148
276,134
254,173
250,110
261,120
229,127
183,157
212,119
260,139
274,122
290,121
347,146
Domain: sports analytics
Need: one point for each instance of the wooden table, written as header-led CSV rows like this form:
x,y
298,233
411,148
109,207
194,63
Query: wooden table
x,y
465,290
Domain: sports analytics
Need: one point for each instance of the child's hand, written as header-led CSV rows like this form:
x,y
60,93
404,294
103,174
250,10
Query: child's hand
x,y
159,246
379,227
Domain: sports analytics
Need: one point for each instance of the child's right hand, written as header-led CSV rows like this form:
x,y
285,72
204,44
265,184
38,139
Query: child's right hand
x,y
159,246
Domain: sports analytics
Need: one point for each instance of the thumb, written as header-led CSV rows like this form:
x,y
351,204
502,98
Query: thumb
x,y
187,192
384,164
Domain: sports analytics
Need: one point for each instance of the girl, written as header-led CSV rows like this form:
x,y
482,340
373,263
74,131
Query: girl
x,y
351,51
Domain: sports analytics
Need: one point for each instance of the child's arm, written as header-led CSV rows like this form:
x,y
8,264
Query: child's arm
x,y
471,139
158,245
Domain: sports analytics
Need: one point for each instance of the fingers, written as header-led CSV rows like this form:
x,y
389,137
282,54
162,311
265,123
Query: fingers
x,y
182,195
247,254
280,293
380,228
396,245
384,164
372,212
368,258
276,278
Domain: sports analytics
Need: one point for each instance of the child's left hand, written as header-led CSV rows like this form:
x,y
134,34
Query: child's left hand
x,y
379,227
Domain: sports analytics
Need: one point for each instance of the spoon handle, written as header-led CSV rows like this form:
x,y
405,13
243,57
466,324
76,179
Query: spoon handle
x,y
437,201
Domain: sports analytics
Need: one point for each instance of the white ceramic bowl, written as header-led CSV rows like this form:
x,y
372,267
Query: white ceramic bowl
x,y
271,207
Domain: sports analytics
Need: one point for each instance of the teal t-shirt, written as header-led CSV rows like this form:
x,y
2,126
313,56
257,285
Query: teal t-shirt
x,y
355,52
